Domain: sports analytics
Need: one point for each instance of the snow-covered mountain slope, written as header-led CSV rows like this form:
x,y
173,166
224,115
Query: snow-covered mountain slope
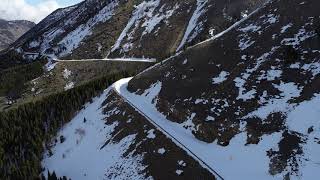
x,y
108,139
117,28
246,101
99,28
12,30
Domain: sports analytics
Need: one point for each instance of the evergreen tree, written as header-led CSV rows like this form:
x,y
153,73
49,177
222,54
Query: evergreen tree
x,y
62,139
54,176
290,54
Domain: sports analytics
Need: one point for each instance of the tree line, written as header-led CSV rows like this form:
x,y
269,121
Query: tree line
x,y
13,79
25,130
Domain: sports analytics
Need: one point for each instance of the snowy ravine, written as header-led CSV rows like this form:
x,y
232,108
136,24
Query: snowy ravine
x,y
83,155
194,25
146,17
73,40
228,161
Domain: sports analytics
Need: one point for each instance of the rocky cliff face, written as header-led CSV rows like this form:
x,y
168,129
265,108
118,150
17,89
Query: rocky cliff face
x,y
10,31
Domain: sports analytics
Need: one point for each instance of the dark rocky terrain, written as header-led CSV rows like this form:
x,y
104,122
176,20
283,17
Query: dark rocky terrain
x,y
251,80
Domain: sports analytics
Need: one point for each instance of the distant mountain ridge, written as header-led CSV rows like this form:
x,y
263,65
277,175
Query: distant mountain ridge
x,y
10,31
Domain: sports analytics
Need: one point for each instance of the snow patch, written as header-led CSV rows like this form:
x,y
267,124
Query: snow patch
x,y
271,75
250,28
154,20
286,27
185,61
221,78
301,36
34,44
210,118
239,83
66,73
99,47
182,163
314,68
68,86
179,172
278,104
151,134
161,151
245,42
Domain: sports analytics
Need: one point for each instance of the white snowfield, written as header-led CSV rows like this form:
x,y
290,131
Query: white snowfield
x,y
235,161
82,157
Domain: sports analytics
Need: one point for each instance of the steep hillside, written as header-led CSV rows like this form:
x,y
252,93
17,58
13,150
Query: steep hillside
x,y
27,83
110,140
96,28
254,87
114,28
10,31
26,130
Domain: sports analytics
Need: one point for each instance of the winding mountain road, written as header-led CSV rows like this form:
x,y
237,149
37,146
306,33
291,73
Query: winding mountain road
x,y
116,59
116,89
